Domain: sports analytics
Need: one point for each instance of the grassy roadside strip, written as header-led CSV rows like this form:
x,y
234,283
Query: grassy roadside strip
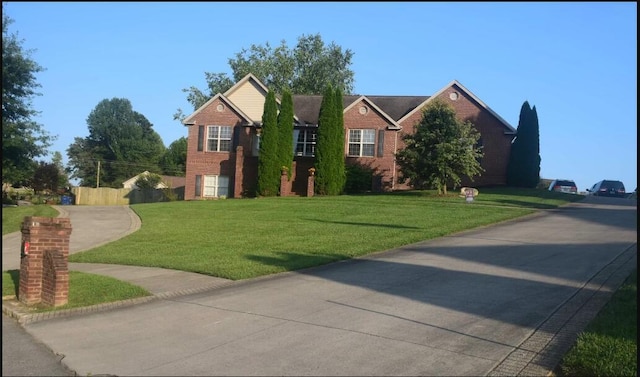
x,y
609,344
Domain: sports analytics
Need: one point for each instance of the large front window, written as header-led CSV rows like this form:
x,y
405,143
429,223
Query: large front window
x,y
216,186
362,143
306,142
219,138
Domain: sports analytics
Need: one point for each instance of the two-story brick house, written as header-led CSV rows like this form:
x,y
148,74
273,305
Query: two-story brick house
x,y
223,137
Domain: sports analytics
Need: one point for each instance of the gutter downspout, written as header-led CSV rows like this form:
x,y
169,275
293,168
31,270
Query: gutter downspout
x,y
395,150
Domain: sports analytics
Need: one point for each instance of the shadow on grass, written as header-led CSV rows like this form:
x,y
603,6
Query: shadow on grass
x,y
365,224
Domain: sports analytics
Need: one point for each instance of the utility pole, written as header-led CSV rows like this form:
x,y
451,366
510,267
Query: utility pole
x,y
98,176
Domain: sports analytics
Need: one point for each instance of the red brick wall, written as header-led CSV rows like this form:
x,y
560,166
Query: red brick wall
x,y
46,237
385,165
497,144
215,163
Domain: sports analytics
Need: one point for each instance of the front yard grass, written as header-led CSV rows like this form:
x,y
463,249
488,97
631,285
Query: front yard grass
x,y
609,344
12,217
241,239
84,290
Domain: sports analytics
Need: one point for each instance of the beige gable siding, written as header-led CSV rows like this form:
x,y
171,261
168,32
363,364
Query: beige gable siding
x,y
250,98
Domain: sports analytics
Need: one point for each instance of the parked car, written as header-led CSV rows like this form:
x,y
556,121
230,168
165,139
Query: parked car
x,y
608,187
563,185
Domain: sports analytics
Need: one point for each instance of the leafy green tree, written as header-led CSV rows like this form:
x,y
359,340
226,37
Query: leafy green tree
x,y
523,169
121,142
63,178
325,152
440,151
305,69
285,130
268,163
46,177
174,160
148,181
23,139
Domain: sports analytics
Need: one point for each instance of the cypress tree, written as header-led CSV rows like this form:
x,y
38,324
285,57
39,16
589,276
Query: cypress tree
x,y
533,153
338,145
285,130
268,164
523,169
325,165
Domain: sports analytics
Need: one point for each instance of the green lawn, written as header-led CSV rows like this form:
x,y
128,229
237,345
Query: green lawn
x,y
609,345
84,290
12,217
240,239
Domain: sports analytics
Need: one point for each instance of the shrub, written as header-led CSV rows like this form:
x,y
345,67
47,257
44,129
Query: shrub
x,y
359,178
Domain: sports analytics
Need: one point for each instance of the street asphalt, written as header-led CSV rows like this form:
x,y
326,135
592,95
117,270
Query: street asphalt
x,y
507,299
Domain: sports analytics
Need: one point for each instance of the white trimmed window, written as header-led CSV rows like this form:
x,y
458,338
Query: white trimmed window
x,y
305,141
362,143
216,186
219,138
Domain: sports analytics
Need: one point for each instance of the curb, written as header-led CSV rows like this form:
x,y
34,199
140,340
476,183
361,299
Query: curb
x,y
543,350
15,309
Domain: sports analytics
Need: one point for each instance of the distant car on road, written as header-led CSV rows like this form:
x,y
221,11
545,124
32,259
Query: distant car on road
x,y
563,185
608,187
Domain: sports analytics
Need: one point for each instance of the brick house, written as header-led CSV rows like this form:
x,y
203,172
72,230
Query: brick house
x,y
223,136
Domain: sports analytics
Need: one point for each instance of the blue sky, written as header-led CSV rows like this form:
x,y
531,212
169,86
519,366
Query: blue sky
x,y
576,62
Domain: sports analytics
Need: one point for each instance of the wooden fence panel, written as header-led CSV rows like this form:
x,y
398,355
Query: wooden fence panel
x,y
107,196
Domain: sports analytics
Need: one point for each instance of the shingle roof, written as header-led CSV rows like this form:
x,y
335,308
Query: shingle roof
x,y
173,181
307,107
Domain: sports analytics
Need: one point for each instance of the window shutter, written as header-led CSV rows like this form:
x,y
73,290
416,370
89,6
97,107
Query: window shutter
x,y
200,138
380,143
236,138
198,185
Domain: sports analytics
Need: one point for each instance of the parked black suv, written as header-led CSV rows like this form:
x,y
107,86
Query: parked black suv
x,y
608,188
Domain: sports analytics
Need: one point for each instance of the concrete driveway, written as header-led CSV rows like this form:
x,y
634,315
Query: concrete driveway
x,y
507,299
92,226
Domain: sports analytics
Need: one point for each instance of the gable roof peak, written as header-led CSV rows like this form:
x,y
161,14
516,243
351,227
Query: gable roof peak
x,y
249,76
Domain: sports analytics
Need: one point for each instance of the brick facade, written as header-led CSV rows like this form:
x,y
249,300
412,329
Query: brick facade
x,y
241,163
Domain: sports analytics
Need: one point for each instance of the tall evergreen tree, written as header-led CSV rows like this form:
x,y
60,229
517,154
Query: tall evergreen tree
x,y
325,164
285,129
523,169
268,164
339,182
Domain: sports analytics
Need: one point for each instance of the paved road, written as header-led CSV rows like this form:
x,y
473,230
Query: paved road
x,y
501,300
23,355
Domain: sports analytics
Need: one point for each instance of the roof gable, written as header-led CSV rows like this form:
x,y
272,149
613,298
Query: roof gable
x,y
167,181
393,125
307,107
190,119
453,83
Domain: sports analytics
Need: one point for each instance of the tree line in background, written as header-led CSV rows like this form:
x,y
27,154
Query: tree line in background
x,y
122,142
305,69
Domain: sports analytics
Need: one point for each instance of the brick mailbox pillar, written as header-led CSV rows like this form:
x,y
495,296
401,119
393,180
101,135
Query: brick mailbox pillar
x,y
311,182
44,256
285,184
